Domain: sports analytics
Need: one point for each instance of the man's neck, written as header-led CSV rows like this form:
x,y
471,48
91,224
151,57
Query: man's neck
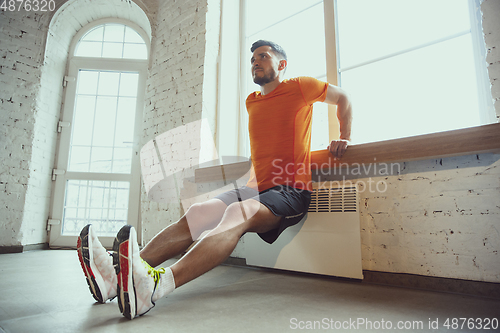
x,y
269,87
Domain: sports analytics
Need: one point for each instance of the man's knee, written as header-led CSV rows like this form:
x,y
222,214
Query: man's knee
x,y
203,216
212,209
251,215
194,211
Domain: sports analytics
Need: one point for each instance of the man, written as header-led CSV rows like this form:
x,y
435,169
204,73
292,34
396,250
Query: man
x,y
276,197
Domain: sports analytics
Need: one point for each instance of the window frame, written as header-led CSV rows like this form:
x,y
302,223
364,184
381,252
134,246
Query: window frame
x,y
74,64
99,22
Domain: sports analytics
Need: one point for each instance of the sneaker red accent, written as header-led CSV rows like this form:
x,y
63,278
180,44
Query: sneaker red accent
x,y
121,260
124,266
137,281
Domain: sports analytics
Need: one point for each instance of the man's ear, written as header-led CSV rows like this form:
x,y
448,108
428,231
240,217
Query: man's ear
x,y
282,65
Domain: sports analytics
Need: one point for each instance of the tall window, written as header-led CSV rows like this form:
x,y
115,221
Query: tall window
x,y
410,67
98,178
298,26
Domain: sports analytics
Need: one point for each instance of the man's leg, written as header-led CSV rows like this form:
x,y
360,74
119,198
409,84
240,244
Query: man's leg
x,y
97,263
140,285
177,237
217,245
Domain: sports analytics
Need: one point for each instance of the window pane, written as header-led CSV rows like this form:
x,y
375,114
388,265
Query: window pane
x,y
385,27
95,202
79,159
320,137
128,84
261,14
114,33
124,136
304,43
431,89
108,83
302,60
135,51
96,197
83,120
112,50
89,49
87,82
95,34
101,159
104,123
131,36
122,160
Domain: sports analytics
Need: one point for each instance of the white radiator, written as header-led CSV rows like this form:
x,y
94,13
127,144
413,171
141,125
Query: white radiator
x,y
327,241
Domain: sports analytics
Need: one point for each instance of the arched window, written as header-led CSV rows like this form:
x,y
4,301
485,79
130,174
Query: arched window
x,y
98,167
112,40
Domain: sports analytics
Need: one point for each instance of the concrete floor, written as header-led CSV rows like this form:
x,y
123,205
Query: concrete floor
x,y
45,291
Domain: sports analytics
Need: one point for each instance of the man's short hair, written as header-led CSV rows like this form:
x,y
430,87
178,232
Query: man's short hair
x,y
278,50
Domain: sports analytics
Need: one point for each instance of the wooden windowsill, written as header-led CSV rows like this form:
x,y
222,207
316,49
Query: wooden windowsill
x,y
467,141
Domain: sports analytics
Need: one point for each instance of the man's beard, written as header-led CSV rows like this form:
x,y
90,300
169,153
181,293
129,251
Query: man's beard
x,y
268,77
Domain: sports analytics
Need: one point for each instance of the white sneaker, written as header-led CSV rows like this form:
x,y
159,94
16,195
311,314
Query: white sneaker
x,y
137,281
97,265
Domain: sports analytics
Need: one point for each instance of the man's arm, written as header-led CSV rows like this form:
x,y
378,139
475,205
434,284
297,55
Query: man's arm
x,y
336,96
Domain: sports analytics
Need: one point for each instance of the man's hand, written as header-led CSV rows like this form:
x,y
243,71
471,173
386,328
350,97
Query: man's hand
x,y
338,148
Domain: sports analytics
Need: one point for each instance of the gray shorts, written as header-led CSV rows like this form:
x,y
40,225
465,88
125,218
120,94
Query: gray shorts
x,y
288,202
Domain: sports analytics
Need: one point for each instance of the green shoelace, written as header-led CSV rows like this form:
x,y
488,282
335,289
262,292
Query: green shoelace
x,y
155,273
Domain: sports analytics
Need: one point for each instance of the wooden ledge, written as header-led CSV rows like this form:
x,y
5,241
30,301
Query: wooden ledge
x,y
473,140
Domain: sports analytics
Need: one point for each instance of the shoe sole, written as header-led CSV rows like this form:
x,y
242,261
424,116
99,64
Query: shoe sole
x,y
84,243
122,250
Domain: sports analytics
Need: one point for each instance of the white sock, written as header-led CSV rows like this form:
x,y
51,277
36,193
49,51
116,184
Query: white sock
x,y
165,286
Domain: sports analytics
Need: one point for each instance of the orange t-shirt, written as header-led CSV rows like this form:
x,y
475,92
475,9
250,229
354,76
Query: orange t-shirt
x,y
280,133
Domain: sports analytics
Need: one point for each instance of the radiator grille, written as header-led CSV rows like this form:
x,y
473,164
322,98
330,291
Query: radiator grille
x,y
334,200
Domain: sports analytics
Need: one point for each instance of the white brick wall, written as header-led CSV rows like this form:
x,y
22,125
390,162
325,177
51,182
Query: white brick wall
x,y
438,218
21,58
173,91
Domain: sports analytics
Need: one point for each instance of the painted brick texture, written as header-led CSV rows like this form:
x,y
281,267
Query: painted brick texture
x,y
436,218
23,164
173,91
